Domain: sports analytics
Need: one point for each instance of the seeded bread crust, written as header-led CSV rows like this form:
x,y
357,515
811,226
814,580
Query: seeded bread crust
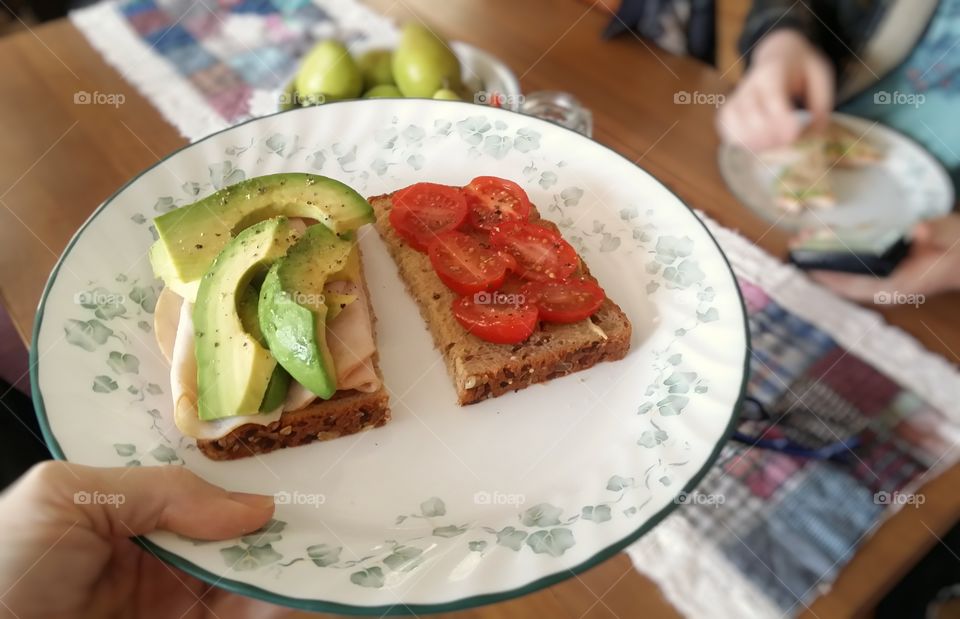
x,y
347,412
481,369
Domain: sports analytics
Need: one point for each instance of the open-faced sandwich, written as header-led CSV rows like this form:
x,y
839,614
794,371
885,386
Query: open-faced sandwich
x,y
803,180
508,301
265,316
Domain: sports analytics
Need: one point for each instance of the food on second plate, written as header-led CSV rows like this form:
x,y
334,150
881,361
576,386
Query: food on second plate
x,y
803,179
849,149
265,317
328,73
508,301
805,183
422,65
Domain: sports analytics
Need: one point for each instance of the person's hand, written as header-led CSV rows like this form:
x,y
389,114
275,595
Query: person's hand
x,y
66,552
785,68
932,266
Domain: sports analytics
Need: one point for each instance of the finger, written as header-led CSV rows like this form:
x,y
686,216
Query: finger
x,y
855,287
760,130
133,501
753,130
783,119
819,92
942,232
729,124
923,233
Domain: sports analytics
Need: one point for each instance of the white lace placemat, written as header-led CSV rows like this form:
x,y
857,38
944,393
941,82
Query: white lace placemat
x,y
711,561
206,68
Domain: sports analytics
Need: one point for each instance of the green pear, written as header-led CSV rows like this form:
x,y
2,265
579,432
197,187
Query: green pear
x,y
329,71
288,100
383,91
446,94
377,68
423,63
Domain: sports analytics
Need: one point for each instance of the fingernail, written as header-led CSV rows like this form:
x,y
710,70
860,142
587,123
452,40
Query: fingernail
x,y
257,501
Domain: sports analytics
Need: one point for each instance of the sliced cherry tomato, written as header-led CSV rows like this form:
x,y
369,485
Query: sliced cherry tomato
x,y
422,211
496,317
568,301
512,284
494,201
541,254
508,260
465,263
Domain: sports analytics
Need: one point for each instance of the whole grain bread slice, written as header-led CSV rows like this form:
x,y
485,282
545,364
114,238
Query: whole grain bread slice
x,y
347,412
481,369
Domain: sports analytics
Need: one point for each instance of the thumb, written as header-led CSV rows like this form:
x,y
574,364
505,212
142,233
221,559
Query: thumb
x,y
122,502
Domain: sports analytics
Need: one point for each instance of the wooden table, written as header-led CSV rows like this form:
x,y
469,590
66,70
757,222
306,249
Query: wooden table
x,y
60,160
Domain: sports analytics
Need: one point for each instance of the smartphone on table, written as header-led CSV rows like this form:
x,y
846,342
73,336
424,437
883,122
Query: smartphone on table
x,y
869,250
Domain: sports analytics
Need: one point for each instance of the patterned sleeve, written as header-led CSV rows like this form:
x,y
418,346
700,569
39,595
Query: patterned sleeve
x,y
823,22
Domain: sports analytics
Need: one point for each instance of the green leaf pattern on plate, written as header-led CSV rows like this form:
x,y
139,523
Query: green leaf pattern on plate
x,y
123,363
433,507
323,555
511,538
88,334
370,577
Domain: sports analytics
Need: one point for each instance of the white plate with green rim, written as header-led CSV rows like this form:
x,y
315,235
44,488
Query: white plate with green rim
x,y
444,507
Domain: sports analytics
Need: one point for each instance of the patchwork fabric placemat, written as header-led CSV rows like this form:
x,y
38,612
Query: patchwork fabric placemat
x,y
765,532
200,62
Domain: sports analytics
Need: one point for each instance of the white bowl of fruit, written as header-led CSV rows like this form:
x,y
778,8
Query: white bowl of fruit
x,y
421,65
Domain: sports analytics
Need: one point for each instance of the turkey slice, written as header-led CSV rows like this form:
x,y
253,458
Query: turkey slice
x,y
351,343
166,317
183,386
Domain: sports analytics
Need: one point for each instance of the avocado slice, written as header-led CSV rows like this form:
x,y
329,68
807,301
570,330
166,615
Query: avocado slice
x,y
250,319
233,368
293,309
191,236
277,389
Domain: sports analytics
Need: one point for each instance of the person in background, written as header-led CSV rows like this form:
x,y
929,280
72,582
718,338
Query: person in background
x,y
870,58
65,529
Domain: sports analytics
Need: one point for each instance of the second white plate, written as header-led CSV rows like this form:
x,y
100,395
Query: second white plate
x,y
908,185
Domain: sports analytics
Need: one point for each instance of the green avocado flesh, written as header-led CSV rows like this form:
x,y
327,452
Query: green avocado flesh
x,y
250,319
293,308
191,236
233,368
